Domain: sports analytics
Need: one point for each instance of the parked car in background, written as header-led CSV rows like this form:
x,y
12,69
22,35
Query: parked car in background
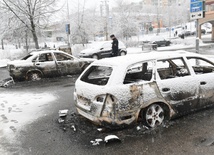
x,y
209,30
99,50
185,33
203,31
157,41
49,63
150,87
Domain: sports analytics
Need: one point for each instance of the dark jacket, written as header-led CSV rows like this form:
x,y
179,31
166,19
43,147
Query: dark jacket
x,y
115,45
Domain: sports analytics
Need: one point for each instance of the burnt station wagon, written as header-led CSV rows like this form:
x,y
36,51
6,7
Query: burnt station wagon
x,y
149,87
49,63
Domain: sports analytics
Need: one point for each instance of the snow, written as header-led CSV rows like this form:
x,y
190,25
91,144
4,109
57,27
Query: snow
x,y
19,109
3,62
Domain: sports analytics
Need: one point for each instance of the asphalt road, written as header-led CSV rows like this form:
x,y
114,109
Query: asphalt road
x,y
190,135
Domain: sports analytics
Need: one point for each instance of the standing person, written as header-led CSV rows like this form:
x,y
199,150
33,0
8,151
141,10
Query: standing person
x,y
115,45
176,32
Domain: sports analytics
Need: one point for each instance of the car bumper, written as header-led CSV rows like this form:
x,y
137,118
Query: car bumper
x,y
94,112
106,121
16,74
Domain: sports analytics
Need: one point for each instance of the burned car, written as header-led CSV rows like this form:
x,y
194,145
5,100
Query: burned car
x,y
49,63
150,87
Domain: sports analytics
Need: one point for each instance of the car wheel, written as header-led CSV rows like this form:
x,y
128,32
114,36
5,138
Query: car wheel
x,y
122,53
34,76
95,56
154,47
153,115
167,44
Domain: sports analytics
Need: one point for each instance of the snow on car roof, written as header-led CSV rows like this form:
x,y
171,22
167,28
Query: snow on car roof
x,y
100,43
45,51
130,59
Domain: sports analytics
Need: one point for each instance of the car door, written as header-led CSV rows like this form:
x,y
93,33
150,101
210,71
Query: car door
x,y
162,41
139,86
46,64
204,73
106,50
66,64
177,86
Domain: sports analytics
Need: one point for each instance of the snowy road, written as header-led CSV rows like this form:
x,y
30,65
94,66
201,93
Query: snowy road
x,y
29,126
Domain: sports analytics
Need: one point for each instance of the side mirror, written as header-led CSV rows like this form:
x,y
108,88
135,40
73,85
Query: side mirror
x,y
101,48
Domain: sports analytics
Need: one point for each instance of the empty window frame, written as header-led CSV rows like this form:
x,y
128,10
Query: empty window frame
x,y
139,72
172,68
98,75
201,66
45,57
62,57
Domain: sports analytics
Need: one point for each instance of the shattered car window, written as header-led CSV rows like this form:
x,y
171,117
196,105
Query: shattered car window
x,y
98,75
26,57
62,57
45,57
201,66
172,68
138,72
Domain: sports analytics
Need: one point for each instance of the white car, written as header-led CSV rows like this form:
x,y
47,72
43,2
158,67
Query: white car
x,y
149,87
48,63
103,49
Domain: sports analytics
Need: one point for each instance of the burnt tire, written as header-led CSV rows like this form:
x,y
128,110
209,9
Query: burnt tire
x,y
153,116
34,76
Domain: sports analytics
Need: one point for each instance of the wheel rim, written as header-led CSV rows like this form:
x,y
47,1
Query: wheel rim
x,y
35,76
95,56
122,53
154,115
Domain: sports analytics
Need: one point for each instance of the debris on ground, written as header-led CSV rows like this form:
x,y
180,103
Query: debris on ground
x,y
138,128
96,141
7,82
60,120
73,127
111,138
63,113
101,129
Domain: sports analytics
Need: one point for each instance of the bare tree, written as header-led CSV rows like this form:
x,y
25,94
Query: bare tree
x,y
33,14
125,23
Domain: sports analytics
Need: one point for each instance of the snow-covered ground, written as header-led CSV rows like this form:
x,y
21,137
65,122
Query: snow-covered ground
x,y
3,62
19,109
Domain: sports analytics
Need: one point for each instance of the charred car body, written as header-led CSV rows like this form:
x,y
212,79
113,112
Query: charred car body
x,y
151,87
49,63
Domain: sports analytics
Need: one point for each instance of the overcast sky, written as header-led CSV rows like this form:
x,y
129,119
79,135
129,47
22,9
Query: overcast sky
x,y
96,3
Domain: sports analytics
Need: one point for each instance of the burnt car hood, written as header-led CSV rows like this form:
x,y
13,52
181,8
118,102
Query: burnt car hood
x,y
19,62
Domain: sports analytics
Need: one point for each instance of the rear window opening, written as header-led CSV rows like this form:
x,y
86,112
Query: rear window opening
x,y
139,72
98,75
